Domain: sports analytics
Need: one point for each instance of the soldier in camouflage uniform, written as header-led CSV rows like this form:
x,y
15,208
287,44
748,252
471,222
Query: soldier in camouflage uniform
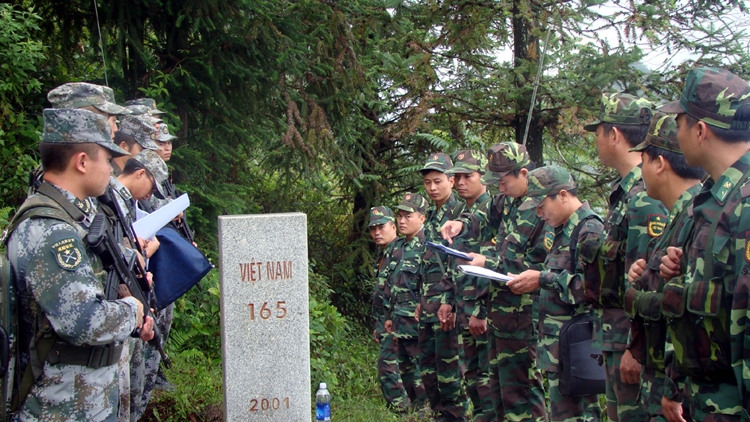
x,y
706,297
438,337
147,107
670,180
471,292
135,135
53,264
382,229
402,294
516,381
553,193
632,221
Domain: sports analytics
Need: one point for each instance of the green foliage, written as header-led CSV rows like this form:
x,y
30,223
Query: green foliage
x,y
196,324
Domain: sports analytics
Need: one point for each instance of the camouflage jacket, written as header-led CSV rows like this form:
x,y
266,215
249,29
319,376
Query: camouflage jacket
x,y
632,221
402,289
435,289
562,295
519,246
384,264
58,275
644,296
708,307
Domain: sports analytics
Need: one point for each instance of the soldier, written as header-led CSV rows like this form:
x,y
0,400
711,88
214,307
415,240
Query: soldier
x,y
632,221
402,294
516,381
670,180
135,135
552,191
471,292
438,337
71,371
708,289
382,229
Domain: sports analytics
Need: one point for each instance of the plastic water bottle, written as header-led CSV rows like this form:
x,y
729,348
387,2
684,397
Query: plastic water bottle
x,y
323,404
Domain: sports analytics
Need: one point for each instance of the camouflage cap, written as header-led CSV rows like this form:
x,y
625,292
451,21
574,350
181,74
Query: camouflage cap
x,y
380,215
662,133
82,94
504,158
149,103
72,126
712,95
468,161
141,130
546,181
164,135
413,202
622,109
157,167
439,162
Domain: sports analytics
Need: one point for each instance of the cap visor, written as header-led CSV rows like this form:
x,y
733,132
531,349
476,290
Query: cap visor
x,y
149,145
591,127
404,208
433,168
159,192
672,108
114,149
640,147
492,177
112,108
530,203
157,111
166,138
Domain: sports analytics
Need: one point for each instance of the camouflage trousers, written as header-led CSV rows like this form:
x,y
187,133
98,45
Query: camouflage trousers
x,y
390,379
123,380
475,353
408,367
517,380
622,398
144,366
440,366
571,409
716,401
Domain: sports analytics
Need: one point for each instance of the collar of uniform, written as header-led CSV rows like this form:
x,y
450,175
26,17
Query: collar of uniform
x,y
729,178
84,205
630,179
684,200
120,189
480,200
575,218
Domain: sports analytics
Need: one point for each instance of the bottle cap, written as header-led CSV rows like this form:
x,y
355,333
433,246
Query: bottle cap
x,y
323,386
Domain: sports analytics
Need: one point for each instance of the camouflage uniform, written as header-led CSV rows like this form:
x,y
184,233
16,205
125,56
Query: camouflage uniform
x,y
648,340
562,296
141,130
516,381
53,265
439,360
401,300
632,221
470,294
707,307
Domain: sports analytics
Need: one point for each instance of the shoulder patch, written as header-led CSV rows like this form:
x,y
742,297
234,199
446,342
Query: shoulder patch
x,y
656,224
68,253
747,246
549,240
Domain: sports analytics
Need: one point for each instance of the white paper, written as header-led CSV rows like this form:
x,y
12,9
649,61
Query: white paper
x,y
146,227
483,272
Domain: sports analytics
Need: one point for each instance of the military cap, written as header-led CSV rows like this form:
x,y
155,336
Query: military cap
x,y
468,161
622,109
73,126
149,103
380,215
82,94
439,162
504,158
141,130
164,135
413,202
662,133
546,181
157,167
712,95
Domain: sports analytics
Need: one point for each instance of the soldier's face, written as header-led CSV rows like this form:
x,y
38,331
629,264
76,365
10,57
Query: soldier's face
x,y
469,186
143,186
649,171
604,146
552,211
98,172
514,186
409,223
686,137
383,234
438,185
166,150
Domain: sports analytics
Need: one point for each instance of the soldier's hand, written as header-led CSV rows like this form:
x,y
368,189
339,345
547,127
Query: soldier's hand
x,y
139,315
417,311
375,336
630,369
526,282
670,263
636,270
444,312
147,330
123,291
450,230
450,323
479,260
672,410
389,326
477,326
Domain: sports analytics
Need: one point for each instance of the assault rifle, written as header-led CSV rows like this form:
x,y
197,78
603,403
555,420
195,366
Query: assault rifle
x,y
102,240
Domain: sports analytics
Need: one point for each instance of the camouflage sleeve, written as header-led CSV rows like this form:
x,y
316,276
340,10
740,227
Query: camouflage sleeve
x,y
646,219
569,286
739,321
59,274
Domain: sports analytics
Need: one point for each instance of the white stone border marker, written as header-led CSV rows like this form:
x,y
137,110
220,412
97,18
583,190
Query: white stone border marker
x,y
265,333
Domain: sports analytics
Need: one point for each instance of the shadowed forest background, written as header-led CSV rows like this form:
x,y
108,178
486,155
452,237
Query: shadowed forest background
x,y
330,107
